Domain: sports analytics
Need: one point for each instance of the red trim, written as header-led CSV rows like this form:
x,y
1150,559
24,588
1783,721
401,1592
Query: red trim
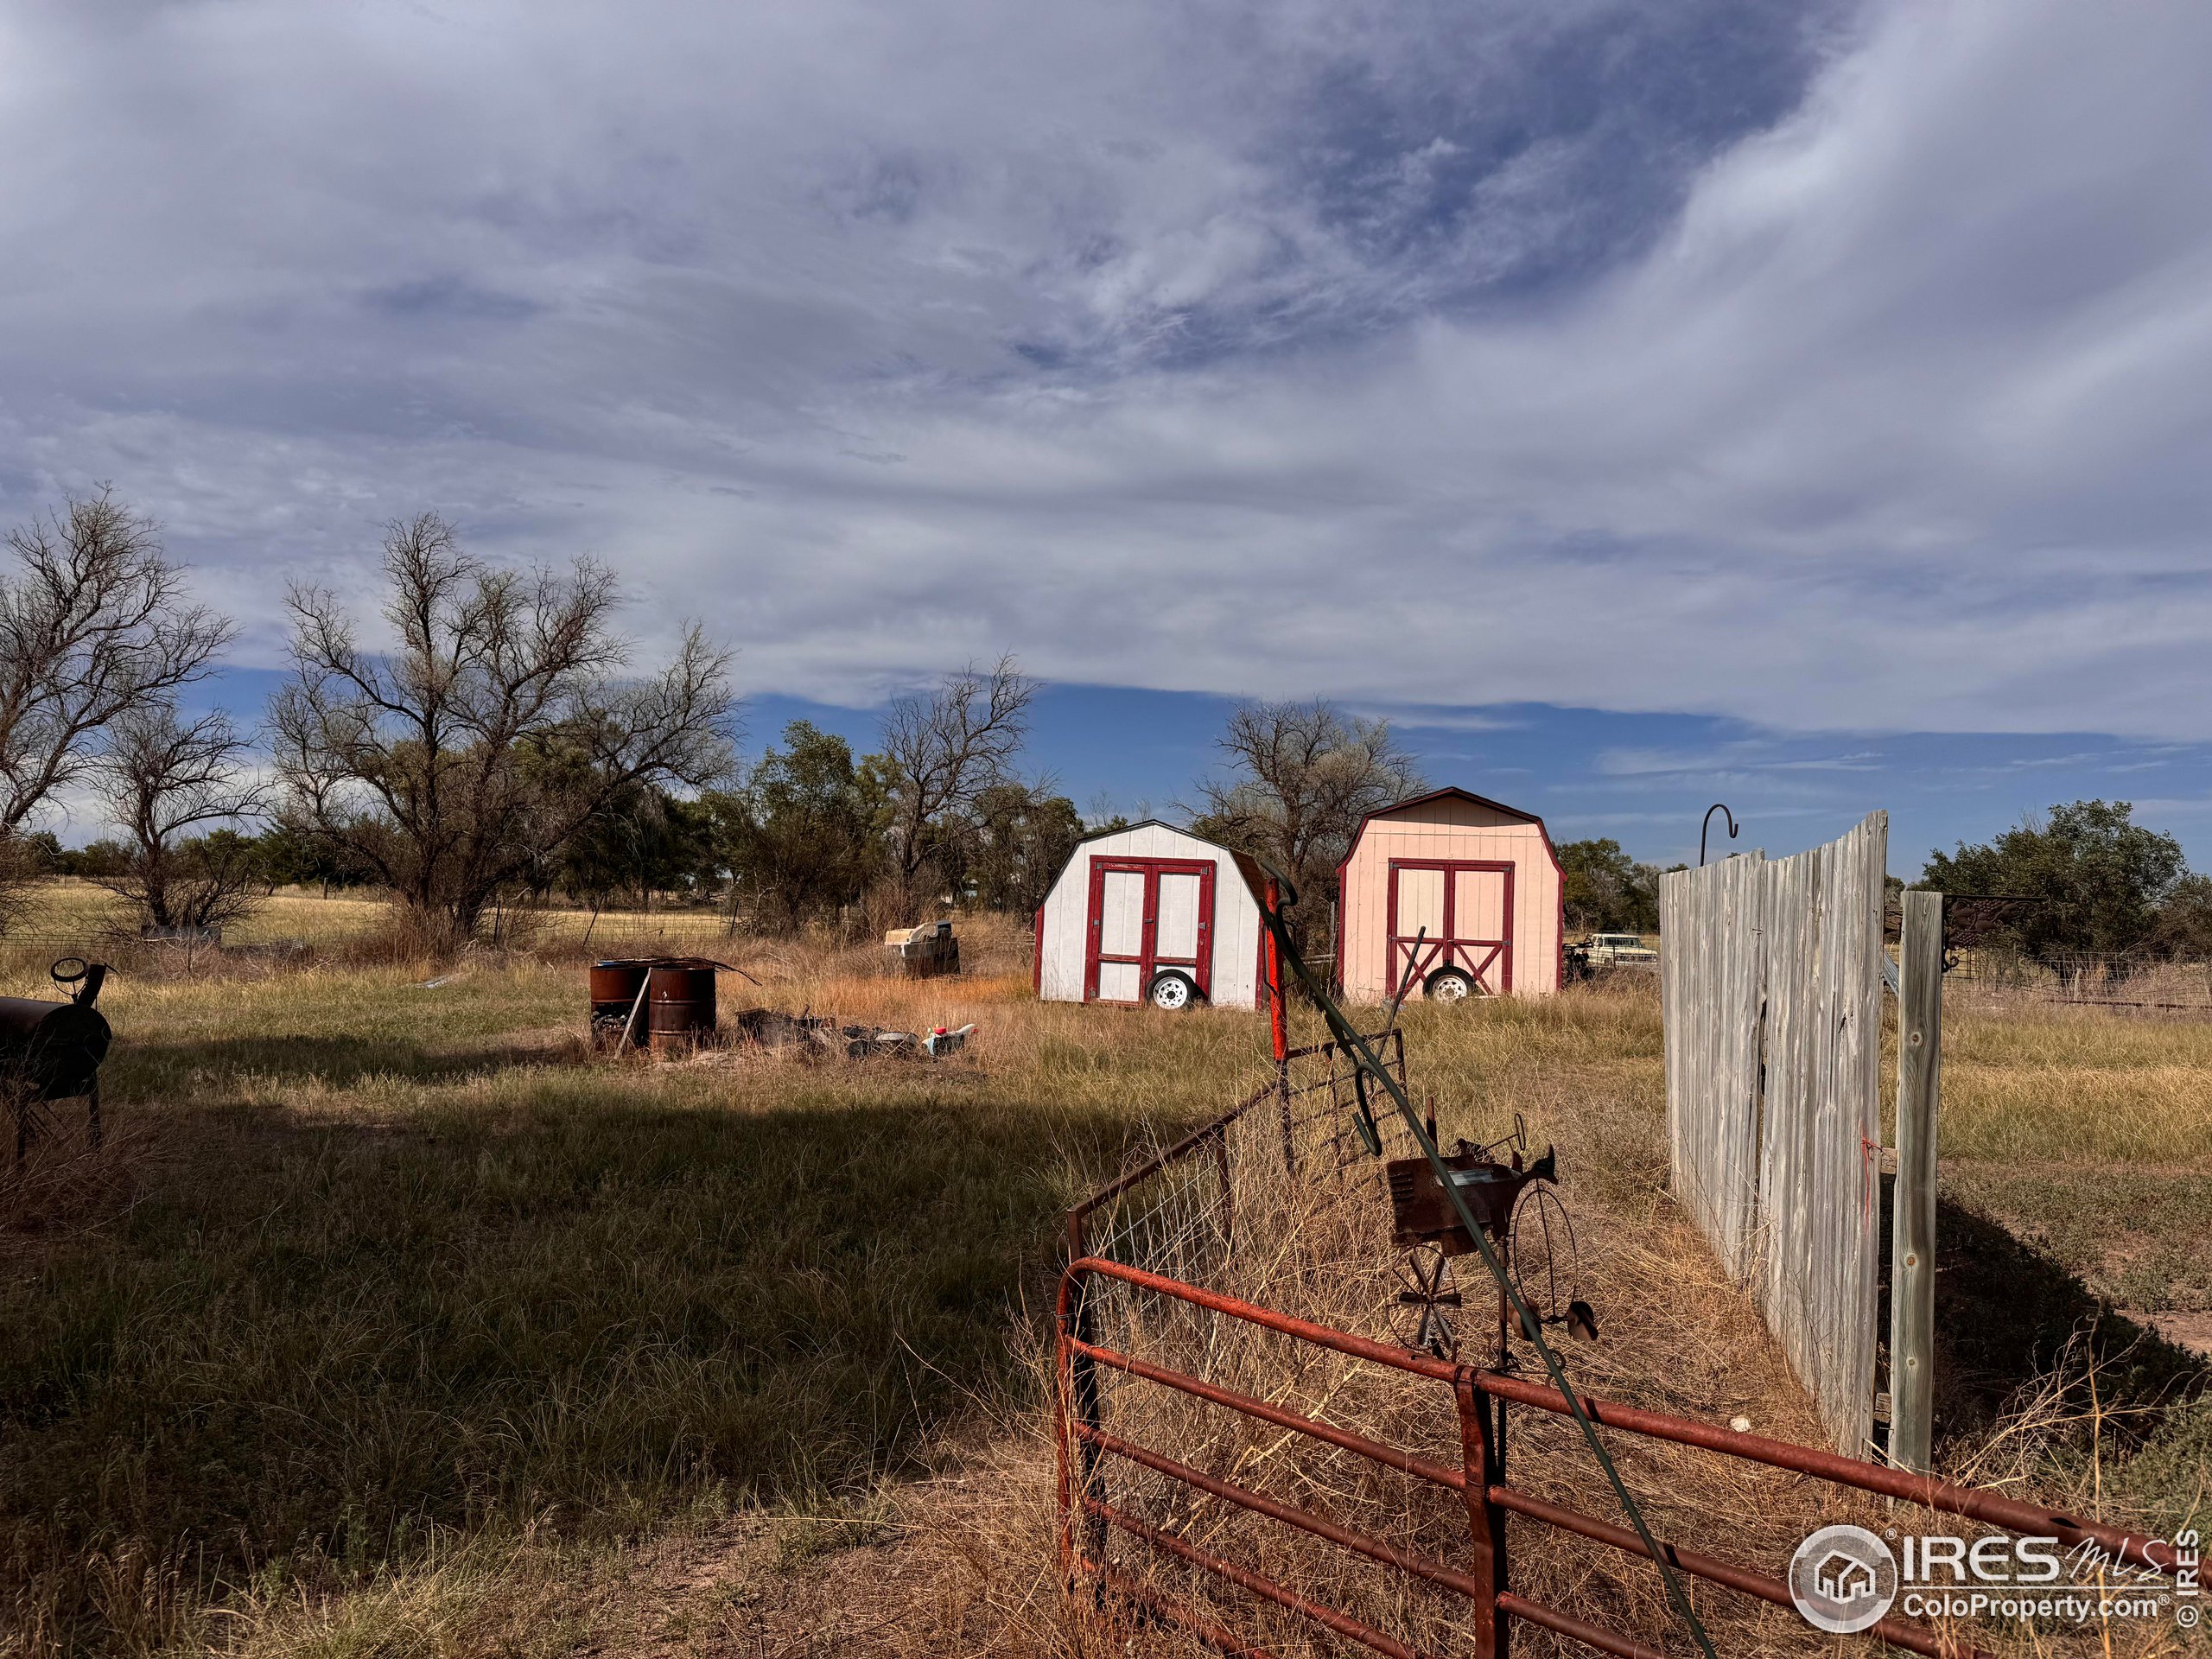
x,y
1037,955
1475,956
1149,960
1271,977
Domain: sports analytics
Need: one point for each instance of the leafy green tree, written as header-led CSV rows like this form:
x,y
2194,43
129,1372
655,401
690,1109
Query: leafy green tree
x,y
645,841
808,833
2183,926
1024,835
2097,879
1606,891
94,861
295,855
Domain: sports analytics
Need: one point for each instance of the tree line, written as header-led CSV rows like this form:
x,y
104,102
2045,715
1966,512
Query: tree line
x,y
2082,878
498,746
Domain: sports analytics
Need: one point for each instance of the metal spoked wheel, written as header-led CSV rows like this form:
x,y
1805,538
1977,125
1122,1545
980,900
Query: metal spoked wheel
x,y
1420,1318
1171,992
1547,1263
1449,985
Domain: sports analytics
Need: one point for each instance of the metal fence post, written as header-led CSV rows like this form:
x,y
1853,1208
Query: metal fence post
x,y
1228,1187
1482,1450
1912,1238
1080,1479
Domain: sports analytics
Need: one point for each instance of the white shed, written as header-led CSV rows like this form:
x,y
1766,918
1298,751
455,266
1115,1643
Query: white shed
x,y
1152,913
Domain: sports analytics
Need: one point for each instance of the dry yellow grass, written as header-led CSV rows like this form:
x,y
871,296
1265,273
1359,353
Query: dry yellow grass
x,y
444,1283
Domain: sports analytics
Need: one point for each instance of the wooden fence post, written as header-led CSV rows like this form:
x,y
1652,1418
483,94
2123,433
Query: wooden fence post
x,y
1912,1238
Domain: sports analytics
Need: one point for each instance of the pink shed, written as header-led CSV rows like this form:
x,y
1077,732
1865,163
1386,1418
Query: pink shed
x,y
1452,884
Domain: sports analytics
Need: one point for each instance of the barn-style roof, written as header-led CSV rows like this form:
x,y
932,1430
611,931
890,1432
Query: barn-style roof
x,y
1255,879
1450,794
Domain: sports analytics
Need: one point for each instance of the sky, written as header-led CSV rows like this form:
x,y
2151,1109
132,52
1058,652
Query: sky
x,y
1805,407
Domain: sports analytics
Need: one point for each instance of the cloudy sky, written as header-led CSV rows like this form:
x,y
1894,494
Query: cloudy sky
x,y
1804,406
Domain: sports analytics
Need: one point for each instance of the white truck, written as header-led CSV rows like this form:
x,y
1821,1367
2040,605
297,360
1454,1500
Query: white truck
x,y
1620,950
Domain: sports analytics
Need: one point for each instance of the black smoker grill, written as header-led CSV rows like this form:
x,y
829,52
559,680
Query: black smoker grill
x,y
52,1052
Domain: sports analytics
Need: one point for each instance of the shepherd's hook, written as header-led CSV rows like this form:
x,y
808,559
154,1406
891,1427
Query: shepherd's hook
x,y
1721,809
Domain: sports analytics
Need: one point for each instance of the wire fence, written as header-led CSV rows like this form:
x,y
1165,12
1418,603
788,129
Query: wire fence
x,y
2121,981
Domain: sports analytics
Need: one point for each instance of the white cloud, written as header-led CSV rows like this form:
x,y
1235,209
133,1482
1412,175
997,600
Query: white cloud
x,y
1179,347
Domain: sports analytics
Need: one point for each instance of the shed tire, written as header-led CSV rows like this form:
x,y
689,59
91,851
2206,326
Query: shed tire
x,y
1449,985
1172,991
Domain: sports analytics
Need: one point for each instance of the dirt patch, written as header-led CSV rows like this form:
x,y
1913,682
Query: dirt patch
x,y
2190,1330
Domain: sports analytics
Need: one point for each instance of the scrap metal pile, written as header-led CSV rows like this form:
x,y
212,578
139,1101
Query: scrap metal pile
x,y
667,1006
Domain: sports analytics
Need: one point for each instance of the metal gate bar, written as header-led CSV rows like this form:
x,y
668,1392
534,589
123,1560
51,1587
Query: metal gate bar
x,y
1082,1439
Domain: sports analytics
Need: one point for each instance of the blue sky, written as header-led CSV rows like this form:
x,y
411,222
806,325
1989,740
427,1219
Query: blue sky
x,y
1803,406
1644,780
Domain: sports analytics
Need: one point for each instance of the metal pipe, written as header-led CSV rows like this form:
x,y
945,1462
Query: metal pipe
x,y
1923,1490
1212,1635
1319,1335
1342,1624
1742,1579
1291,1515
1389,1456
1575,1629
1482,1465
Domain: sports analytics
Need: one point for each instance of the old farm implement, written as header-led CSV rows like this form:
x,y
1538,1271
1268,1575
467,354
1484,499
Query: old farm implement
x,y
51,1052
1262,1482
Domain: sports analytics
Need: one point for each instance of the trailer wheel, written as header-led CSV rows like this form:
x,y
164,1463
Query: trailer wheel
x,y
1171,992
1449,985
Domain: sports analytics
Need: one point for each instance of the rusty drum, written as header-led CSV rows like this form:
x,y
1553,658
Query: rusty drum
x,y
680,1004
614,988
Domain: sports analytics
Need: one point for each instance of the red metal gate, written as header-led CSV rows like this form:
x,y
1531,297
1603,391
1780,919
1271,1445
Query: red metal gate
x,y
1468,924
1115,941
1480,1398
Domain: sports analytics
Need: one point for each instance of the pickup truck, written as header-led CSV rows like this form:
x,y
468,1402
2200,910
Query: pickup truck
x,y
1619,949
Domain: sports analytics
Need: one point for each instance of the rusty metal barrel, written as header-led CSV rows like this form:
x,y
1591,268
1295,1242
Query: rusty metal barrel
x,y
680,1004
614,988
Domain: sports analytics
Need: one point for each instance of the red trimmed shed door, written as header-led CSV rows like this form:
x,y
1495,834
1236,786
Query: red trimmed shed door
x,y
1461,914
1147,914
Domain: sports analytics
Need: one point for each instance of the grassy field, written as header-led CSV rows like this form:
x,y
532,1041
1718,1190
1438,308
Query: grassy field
x,y
392,1322
73,913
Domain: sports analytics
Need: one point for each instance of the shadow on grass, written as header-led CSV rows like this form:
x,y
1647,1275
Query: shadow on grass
x,y
2004,1314
140,1070
305,1349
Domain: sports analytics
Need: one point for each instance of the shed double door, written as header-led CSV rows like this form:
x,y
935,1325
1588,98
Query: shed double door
x,y
1147,914
1451,913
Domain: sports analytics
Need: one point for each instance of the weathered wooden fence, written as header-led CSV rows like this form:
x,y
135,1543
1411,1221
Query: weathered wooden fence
x,y
1772,978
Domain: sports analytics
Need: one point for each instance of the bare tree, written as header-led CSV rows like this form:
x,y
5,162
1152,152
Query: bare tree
x,y
455,765
169,784
1300,778
93,627
946,748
